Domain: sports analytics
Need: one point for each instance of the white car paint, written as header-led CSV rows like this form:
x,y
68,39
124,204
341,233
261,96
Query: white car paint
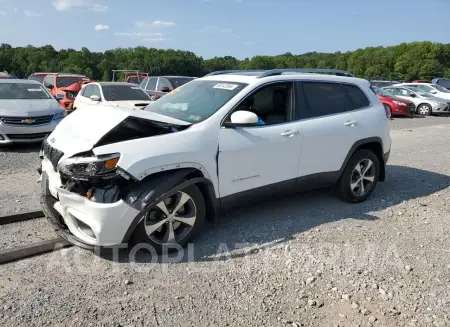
x,y
233,159
86,102
434,89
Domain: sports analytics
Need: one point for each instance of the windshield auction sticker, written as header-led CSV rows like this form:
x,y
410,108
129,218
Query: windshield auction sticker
x,y
225,86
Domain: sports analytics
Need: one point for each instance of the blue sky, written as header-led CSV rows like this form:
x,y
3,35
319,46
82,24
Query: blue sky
x,y
241,28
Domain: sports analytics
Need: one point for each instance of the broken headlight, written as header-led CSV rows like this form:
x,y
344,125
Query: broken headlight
x,y
88,167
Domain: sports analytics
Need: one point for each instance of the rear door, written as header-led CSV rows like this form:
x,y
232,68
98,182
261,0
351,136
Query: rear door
x,y
333,119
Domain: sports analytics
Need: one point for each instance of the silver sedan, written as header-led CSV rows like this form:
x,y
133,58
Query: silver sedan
x,y
28,112
425,103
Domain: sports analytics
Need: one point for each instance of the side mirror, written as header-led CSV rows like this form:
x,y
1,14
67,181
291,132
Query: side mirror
x,y
49,86
243,118
59,96
412,95
165,89
94,98
433,92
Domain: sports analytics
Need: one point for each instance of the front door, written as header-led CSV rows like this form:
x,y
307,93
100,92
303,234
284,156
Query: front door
x,y
260,160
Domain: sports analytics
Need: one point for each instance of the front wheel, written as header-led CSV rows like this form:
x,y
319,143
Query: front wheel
x,y
173,222
424,109
360,176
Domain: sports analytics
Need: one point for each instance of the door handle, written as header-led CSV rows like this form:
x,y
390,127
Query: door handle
x,y
351,123
290,133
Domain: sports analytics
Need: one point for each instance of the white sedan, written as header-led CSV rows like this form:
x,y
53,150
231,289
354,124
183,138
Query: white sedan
x,y
127,95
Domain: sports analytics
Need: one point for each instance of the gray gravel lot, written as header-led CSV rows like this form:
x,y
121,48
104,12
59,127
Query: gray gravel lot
x,y
24,233
303,260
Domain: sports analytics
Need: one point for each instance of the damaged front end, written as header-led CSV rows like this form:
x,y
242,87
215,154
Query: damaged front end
x,y
85,194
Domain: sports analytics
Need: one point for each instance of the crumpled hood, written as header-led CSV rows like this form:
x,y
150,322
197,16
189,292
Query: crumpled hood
x,y
29,108
81,130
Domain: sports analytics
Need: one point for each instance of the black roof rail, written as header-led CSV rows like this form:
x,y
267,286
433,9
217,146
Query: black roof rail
x,y
274,72
241,71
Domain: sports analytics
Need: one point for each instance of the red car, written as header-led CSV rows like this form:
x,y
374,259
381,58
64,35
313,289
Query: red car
x,y
393,105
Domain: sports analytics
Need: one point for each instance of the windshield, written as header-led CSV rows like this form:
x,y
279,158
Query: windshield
x,y
383,92
196,101
177,82
23,91
69,80
38,78
124,93
440,88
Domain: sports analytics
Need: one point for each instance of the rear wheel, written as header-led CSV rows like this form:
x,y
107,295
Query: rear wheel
x,y
360,176
173,222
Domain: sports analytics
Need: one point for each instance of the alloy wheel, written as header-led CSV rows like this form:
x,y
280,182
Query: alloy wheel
x,y
363,177
171,220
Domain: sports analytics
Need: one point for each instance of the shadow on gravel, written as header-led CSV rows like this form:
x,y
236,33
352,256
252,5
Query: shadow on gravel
x,y
21,148
277,221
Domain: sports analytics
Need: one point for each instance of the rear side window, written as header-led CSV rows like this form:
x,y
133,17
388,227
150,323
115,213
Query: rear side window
x,y
358,99
316,99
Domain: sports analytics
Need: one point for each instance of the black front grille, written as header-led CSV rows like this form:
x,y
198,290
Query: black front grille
x,y
26,121
52,154
34,136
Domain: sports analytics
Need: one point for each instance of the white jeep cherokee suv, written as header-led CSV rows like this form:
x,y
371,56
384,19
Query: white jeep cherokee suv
x,y
112,176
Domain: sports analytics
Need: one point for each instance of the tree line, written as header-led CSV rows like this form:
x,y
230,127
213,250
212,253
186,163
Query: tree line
x,y
407,61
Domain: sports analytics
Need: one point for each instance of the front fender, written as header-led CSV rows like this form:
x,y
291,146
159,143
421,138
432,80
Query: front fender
x,y
153,189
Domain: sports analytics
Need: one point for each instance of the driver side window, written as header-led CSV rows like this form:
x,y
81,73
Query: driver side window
x,y
272,104
49,80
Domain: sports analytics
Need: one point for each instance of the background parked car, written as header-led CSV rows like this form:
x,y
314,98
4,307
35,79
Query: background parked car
x,y
426,103
38,77
433,89
5,75
444,82
28,112
394,105
127,95
158,86
65,87
379,83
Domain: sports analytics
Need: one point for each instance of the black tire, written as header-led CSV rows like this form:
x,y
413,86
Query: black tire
x,y
344,185
140,235
427,106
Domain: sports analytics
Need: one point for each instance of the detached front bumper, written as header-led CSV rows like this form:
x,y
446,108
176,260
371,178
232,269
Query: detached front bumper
x,y
80,221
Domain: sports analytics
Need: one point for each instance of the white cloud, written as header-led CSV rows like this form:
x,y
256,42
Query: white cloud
x,y
142,35
32,13
155,39
159,23
101,27
99,8
3,13
67,5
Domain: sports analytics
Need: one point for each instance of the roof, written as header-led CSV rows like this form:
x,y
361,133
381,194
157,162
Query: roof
x,y
19,81
253,78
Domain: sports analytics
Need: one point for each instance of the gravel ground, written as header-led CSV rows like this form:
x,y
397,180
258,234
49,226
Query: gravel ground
x,y
304,260
25,232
